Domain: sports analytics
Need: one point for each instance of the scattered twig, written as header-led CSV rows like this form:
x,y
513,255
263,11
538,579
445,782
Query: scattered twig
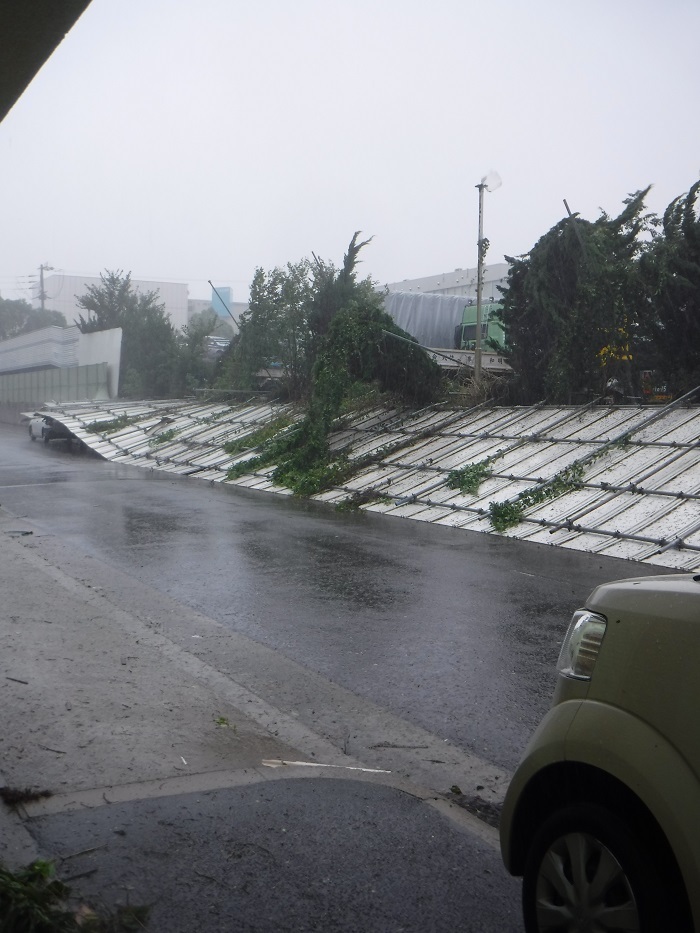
x,y
58,751
80,874
16,680
64,858
209,878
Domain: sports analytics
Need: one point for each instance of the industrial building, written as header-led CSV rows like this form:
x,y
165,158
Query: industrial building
x,y
459,282
61,293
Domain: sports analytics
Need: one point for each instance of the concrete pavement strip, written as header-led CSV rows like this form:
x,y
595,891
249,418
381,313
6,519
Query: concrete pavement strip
x,y
100,706
223,780
245,670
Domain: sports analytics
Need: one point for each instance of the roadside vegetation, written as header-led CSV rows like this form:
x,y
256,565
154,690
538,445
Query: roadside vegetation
x,y
617,298
156,360
469,478
34,900
594,304
110,426
339,350
595,308
18,317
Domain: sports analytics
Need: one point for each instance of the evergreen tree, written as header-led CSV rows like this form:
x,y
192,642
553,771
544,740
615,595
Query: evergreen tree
x,y
194,369
18,317
572,307
671,274
149,356
274,330
290,312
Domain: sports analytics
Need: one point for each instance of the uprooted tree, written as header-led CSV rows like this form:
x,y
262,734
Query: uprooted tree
x,y
290,314
335,340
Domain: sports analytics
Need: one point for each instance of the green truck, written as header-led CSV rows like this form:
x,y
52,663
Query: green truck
x,y
491,329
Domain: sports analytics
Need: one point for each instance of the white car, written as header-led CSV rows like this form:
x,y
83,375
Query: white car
x,y
46,428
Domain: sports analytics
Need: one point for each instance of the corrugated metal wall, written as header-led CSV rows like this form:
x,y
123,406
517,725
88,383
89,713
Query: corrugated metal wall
x,y
29,389
636,493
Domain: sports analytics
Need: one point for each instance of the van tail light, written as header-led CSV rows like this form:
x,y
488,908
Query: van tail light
x,y
581,645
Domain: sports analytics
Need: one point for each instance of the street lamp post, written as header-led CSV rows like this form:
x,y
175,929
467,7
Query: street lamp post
x,y
479,285
488,183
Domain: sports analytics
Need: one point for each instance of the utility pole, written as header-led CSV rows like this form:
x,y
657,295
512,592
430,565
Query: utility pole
x,y
479,284
224,304
488,183
42,294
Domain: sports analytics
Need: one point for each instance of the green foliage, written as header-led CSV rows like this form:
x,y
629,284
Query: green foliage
x,y
671,274
306,477
193,369
346,340
607,300
245,466
568,479
306,471
364,345
210,324
274,330
363,497
33,900
290,314
259,437
506,515
19,317
361,396
358,348
163,438
573,305
468,478
109,427
335,289
149,356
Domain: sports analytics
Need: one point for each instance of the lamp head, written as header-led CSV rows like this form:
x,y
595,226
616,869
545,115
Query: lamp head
x,y
491,181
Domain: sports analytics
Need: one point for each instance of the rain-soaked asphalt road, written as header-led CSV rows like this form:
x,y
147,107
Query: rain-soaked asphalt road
x,y
455,632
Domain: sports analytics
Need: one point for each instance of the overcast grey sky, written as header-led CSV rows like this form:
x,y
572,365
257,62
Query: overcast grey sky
x,y
188,140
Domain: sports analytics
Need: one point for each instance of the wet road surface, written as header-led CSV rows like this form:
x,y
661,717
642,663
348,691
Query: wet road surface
x,y
287,857
455,632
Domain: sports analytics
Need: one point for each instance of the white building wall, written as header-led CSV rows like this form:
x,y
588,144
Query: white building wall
x,y
50,346
62,293
63,348
197,305
459,282
103,346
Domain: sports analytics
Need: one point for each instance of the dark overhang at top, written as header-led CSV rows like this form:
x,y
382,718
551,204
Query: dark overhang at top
x,y
30,30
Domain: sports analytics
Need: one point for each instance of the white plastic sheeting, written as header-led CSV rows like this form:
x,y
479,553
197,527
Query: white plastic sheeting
x,y
638,497
431,319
